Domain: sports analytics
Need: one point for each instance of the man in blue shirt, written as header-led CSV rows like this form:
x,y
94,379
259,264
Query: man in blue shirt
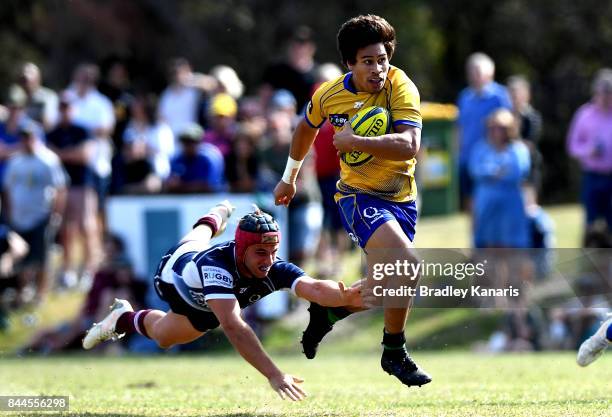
x,y
199,167
476,102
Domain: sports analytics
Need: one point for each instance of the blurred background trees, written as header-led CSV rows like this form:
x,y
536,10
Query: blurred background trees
x,y
558,45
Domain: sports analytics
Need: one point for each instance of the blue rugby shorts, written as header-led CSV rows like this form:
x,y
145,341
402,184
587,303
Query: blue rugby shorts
x,y
362,214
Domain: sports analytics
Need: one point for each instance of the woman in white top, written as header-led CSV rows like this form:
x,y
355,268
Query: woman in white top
x,y
148,147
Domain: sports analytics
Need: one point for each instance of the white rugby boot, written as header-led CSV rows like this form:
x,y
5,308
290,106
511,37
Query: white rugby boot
x,y
105,330
594,346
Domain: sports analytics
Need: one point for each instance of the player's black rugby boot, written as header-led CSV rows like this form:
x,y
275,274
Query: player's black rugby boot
x,y
403,368
318,326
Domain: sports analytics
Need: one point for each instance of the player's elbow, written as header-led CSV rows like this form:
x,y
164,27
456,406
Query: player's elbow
x,y
326,296
411,150
412,143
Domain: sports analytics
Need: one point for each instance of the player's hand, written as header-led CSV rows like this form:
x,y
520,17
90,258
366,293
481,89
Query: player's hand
x,y
344,140
367,294
351,295
283,193
288,386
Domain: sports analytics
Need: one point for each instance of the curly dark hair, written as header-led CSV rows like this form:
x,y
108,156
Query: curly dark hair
x,y
362,31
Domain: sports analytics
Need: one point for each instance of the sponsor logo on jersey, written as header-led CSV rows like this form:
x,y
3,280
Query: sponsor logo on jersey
x,y
198,298
338,120
358,105
254,297
372,214
212,275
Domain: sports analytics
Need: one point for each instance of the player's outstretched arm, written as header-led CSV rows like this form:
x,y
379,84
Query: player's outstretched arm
x,y
303,137
329,293
247,344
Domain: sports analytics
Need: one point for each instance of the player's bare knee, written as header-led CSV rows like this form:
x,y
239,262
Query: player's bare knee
x,y
165,343
162,339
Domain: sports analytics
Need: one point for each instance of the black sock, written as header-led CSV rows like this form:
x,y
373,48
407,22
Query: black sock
x,y
335,314
394,344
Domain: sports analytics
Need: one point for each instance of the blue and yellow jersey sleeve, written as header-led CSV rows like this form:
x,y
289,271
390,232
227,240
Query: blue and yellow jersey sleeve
x,y
315,113
405,100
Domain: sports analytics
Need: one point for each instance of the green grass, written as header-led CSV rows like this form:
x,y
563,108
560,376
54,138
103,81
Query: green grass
x,y
345,380
338,385
24,323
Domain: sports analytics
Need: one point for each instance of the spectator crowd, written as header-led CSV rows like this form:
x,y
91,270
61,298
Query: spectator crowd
x,y
63,152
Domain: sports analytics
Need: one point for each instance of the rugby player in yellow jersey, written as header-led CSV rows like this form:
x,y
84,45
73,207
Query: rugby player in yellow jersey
x,y
376,198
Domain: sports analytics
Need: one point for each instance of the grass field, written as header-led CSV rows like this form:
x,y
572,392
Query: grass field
x,y
352,385
345,380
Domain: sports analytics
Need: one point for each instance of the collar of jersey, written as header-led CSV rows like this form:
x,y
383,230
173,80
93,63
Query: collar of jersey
x,y
347,83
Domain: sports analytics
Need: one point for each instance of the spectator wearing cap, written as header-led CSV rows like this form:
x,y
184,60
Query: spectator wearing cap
x,y
223,79
199,167
222,121
282,100
589,141
296,72
73,145
9,129
41,102
35,195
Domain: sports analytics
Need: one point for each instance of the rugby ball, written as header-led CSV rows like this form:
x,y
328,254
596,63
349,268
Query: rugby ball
x,y
370,121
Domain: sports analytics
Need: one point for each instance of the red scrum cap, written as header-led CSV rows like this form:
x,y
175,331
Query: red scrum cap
x,y
255,228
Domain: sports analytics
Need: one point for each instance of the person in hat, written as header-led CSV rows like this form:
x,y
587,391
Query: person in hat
x,y
34,188
199,166
207,286
222,122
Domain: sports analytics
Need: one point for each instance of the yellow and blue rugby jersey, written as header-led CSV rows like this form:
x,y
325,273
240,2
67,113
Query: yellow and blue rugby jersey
x,y
337,100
